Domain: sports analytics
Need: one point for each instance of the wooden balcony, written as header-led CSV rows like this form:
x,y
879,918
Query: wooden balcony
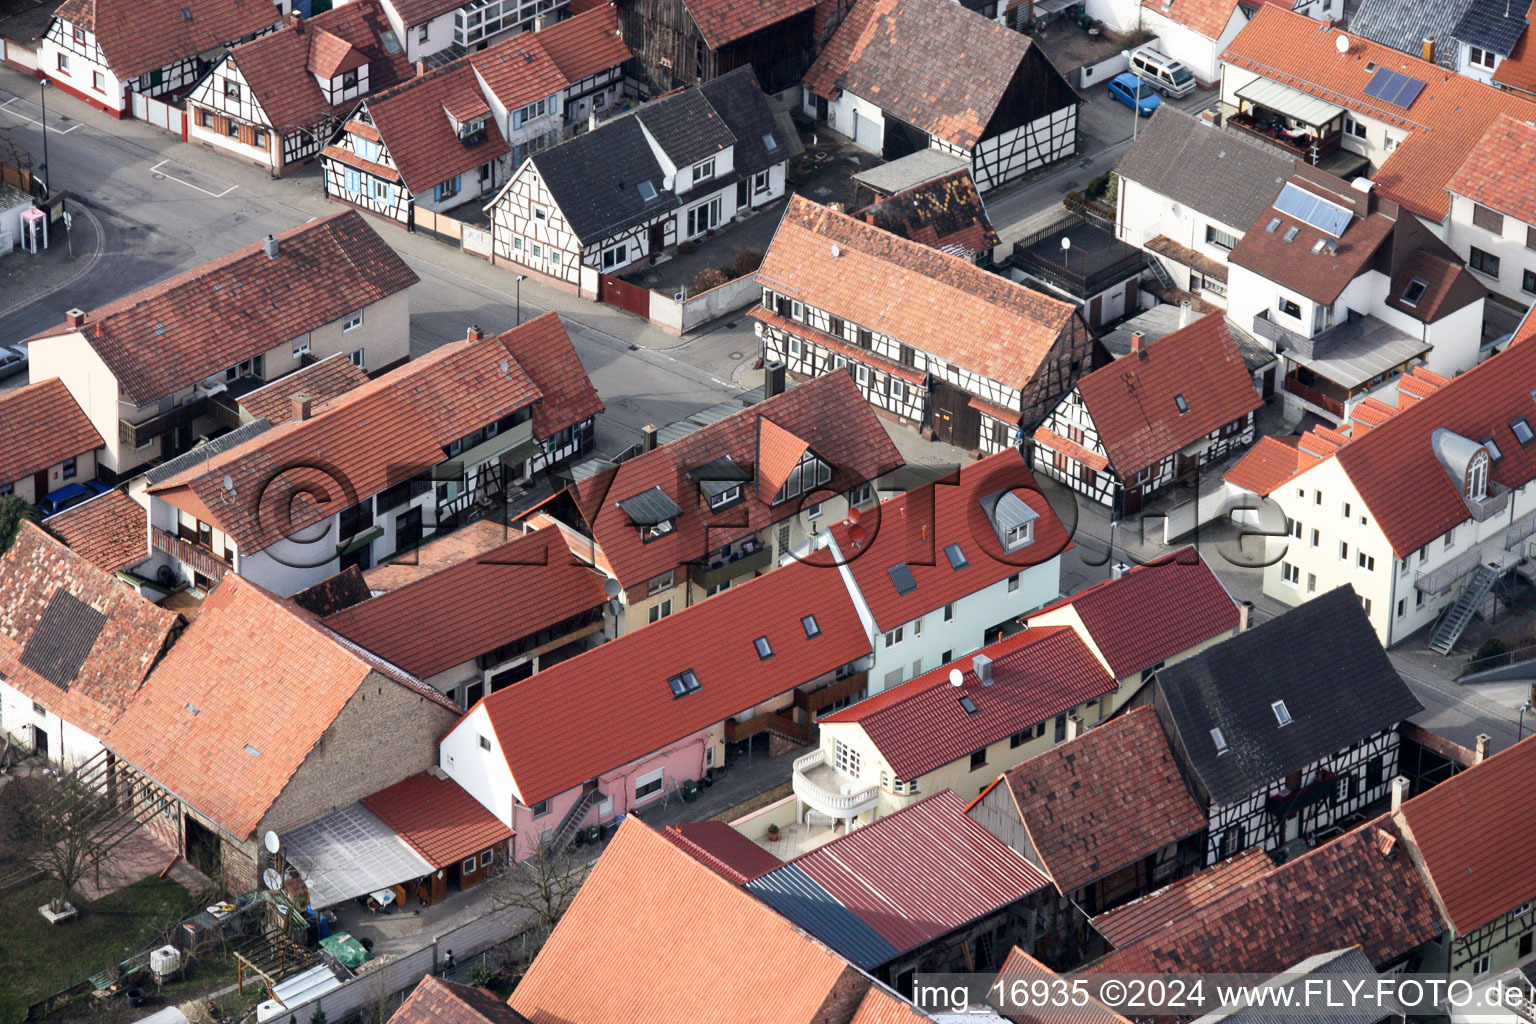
x,y
771,721
1315,397
815,700
199,559
1313,147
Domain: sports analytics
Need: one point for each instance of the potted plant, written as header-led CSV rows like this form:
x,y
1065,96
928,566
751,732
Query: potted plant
x,y
773,833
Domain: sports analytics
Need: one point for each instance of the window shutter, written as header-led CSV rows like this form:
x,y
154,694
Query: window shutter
x,y
221,125
247,135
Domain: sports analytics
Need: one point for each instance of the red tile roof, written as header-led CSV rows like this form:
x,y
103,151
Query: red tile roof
x,y
1105,800
916,528
279,67
1206,18
585,43
304,471
1270,463
1134,401
949,307
319,382
779,451
1345,893
53,603
926,870
544,350
721,848
517,71
920,725
1490,175
224,722
437,818
438,553
1021,967
43,427
883,53
1154,612
1477,873
440,621
1449,286
1126,924
110,531
171,335
828,412
417,133
139,36
414,12
1518,70
629,922
607,707
1442,125
725,21
881,1006
438,1001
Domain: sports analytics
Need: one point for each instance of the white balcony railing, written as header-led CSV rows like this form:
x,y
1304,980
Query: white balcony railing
x,y
828,790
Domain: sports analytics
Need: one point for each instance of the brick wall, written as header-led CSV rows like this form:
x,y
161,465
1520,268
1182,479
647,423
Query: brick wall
x,y
385,733
844,999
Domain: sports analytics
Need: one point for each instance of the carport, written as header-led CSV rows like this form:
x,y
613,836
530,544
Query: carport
x,y
349,853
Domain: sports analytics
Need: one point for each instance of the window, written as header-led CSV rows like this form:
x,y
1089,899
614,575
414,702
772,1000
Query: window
x,y
485,743
949,614
660,610
78,34
1343,551
861,494
1423,554
1450,538
1482,964
1414,292
796,310
1282,713
1346,789
764,648
1289,308
1317,538
539,213
813,511
352,322
98,81
231,89
648,785
1481,58
1219,238
894,637
448,189
811,626
845,759
1018,739
1013,583
978,757
64,62
1232,841
1521,428
1528,282
1018,536
1477,477
898,389
1365,561
1311,583
616,256
1061,728
684,683
1483,262
423,33
357,359
659,583
726,497
1317,497
703,217
71,466
468,867
349,80
1353,127
381,190
1402,607
486,857
1488,220
1290,573
760,183
705,169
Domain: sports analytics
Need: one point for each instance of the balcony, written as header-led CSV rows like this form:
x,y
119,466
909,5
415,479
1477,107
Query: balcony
x,y
130,434
814,700
1312,396
193,557
738,564
1285,802
767,721
1095,262
828,791
1313,145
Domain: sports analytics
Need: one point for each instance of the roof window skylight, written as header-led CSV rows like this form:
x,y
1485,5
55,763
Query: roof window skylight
x,y
647,191
1414,292
1522,430
811,626
764,649
1220,741
969,706
1178,400
956,556
684,683
1282,713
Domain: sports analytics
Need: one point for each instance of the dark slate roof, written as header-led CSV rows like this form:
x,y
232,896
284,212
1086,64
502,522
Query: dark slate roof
x,y
650,507
1322,658
334,593
1487,25
686,126
1238,176
749,118
203,452
1404,24
793,893
63,639
595,177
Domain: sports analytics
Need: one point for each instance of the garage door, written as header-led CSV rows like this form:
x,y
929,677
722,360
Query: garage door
x,y
867,133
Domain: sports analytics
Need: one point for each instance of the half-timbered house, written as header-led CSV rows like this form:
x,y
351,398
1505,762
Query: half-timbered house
x,y
445,29
885,80
1276,749
1152,418
967,354
277,99
686,42
99,51
673,171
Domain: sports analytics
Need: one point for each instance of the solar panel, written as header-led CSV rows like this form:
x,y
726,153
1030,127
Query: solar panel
x,y
1394,87
1327,217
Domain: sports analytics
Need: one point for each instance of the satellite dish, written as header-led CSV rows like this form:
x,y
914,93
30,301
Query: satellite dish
x,y
1066,243
272,879
270,841
854,515
611,587
857,534
1342,43
956,677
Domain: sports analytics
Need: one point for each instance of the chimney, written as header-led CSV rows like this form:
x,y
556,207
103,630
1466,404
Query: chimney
x,y
982,666
1139,343
1480,752
1118,570
473,334
1399,792
1186,313
1428,49
296,19
1074,727
269,246
299,406
773,379
648,438
1244,616
421,68
76,317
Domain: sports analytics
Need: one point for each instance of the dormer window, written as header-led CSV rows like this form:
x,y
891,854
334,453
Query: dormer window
x,y
1013,520
1020,535
653,511
347,80
809,473
703,170
1477,477
721,481
473,132
726,497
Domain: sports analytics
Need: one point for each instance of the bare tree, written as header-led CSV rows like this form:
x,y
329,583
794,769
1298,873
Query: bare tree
x,y
541,886
66,831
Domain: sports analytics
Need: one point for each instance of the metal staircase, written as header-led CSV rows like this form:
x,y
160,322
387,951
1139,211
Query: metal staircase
x,y
573,819
1161,273
1454,622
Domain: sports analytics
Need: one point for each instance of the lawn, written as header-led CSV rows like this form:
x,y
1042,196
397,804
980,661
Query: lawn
x,y
41,958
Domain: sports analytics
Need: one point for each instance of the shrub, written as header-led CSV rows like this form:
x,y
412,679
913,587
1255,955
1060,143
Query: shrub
x,y
709,277
482,975
747,261
1491,654
687,247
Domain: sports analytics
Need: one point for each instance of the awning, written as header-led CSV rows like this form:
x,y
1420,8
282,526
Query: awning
x,y
1302,106
348,853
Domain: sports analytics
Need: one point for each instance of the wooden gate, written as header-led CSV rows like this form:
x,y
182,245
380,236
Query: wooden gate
x,y
629,297
954,421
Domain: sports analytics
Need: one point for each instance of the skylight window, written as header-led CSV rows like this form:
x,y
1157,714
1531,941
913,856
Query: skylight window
x,y
811,626
1272,225
1522,430
1290,233
192,708
1178,400
1493,449
901,576
684,683
647,191
252,750
1282,713
770,143
956,555
764,649
969,706
1220,741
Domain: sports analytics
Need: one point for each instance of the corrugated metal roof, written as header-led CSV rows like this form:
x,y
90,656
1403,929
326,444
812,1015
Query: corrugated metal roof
x,y
793,893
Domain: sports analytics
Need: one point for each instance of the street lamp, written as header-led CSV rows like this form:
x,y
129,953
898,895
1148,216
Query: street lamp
x,y
1520,729
520,279
1135,96
42,92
